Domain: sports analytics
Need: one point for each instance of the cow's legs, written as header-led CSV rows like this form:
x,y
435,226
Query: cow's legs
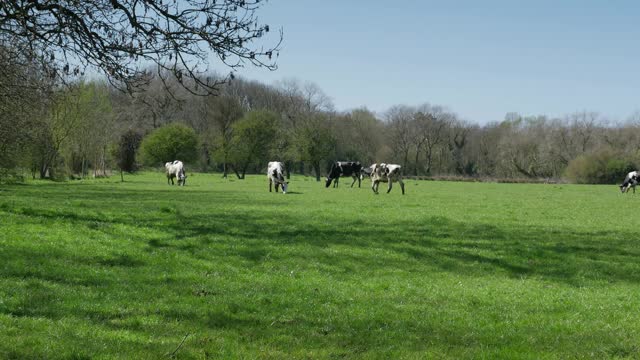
x,y
335,182
401,186
270,182
390,185
355,178
374,184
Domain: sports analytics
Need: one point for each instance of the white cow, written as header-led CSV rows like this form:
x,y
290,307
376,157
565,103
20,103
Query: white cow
x,y
175,169
630,181
386,173
275,174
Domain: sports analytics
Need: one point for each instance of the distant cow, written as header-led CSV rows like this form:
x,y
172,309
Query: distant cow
x,y
630,181
175,169
386,173
275,174
344,168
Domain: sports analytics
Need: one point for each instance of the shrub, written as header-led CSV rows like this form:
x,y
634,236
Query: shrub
x,y
600,167
170,142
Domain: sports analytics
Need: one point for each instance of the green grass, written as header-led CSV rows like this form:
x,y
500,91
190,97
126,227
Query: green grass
x,y
103,269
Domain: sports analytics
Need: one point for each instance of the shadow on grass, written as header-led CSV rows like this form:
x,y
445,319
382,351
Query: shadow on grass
x,y
438,243
340,249
473,249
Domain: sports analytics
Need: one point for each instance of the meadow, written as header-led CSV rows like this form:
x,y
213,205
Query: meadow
x,y
224,269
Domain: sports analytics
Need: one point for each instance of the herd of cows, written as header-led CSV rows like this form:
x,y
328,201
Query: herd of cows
x,y
378,173
388,173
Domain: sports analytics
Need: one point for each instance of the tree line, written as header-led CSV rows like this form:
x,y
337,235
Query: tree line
x,y
89,129
57,124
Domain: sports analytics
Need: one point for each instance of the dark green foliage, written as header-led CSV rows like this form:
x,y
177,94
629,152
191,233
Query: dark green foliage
x,y
314,142
168,143
253,138
127,149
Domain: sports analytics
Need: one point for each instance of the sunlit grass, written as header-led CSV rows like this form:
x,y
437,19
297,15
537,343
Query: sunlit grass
x,y
103,269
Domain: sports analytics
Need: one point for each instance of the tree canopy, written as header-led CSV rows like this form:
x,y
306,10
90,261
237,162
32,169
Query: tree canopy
x,y
168,143
117,36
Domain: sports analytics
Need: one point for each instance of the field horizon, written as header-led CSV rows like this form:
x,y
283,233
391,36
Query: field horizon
x,y
221,268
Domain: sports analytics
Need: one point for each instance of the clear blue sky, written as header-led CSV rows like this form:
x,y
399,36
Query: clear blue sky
x,y
481,59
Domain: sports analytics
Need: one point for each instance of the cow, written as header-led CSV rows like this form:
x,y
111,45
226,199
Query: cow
x,y
175,169
275,174
344,168
366,172
386,173
630,181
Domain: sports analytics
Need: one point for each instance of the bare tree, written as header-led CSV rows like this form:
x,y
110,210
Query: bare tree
x,y
21,108
459,132
115,36
307,117
432,124
399,119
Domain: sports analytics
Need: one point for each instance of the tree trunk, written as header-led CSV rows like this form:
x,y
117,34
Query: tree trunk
x,y
45,167
316,168
429,161
406,160
288,165
43,171
225,167
236,172
244,168
429,155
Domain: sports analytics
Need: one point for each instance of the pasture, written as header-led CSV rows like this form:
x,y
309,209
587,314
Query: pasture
x,y
225,269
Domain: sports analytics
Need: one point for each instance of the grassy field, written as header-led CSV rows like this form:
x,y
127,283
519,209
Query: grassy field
x,y
225,269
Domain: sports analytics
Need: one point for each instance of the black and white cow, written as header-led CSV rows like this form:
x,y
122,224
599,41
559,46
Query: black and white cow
x,y
344,168
275,174
630,181
175,169
386,173
366,172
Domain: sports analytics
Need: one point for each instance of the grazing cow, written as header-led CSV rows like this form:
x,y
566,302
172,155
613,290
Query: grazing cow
x,y
386,173
630,181
344,168
366,172
175,169
275,174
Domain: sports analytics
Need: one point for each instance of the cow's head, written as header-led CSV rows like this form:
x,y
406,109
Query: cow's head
x,y
625,187
182,178
285,186
329,179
